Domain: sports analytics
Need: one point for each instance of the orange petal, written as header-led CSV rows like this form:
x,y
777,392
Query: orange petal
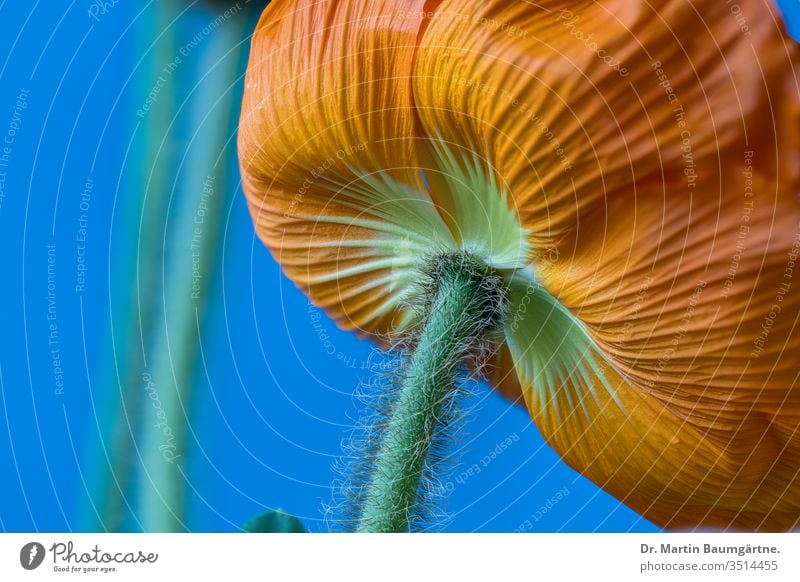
x,y
327,150
568,102
629,171
670,472
694,302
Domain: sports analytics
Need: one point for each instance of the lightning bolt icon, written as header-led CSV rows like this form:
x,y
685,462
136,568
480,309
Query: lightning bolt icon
x,y
34,551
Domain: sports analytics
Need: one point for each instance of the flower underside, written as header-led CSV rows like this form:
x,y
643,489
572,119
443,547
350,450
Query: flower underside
x,y
645,223
557,355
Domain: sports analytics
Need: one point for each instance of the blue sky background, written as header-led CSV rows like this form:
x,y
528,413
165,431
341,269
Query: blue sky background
x,y
272,394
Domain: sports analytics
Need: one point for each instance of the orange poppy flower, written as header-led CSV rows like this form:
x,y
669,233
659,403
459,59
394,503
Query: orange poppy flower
x,y
631,171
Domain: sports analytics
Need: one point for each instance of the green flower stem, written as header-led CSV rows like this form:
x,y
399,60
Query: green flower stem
x,y
465,303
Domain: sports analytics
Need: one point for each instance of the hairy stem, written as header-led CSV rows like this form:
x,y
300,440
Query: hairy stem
x,y
466,300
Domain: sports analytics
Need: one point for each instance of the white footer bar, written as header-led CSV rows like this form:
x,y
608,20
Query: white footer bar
x,y
425,557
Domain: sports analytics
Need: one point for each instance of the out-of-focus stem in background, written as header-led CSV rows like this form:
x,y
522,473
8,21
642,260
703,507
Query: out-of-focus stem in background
x,y
163,259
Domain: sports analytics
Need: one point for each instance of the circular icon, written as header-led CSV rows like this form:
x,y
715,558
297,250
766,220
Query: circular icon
x,y
31,555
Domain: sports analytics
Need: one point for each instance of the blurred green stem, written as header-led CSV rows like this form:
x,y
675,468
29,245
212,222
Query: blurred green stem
x,y
140,213
161,268
189,261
